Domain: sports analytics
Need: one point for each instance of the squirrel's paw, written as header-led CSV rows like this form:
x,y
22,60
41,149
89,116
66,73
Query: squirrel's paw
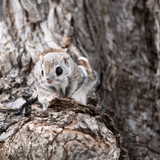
x,y
87,66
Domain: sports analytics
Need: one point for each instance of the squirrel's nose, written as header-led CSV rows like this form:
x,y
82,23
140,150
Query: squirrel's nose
x,y
49,81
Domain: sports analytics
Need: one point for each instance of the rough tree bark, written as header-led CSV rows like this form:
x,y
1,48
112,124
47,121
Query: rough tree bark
x,y
121,39
67,130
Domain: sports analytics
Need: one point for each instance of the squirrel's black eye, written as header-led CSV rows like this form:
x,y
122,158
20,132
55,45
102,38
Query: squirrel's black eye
x,y
59,71
42,72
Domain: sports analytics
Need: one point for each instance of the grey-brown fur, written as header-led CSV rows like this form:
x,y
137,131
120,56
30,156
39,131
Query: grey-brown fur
x,y
73,82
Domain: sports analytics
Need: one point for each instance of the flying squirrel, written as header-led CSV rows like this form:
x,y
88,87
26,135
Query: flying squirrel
x,y
58,76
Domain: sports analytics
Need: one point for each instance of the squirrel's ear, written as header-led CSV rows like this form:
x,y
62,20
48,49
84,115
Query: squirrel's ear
x,y
41,58
66,59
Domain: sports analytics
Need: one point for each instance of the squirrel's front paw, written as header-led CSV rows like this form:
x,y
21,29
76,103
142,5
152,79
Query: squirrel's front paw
x,y
87,67
84,61
53,97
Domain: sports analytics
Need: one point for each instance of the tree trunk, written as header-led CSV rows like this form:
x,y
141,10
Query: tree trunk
x,y
121,39
67,130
